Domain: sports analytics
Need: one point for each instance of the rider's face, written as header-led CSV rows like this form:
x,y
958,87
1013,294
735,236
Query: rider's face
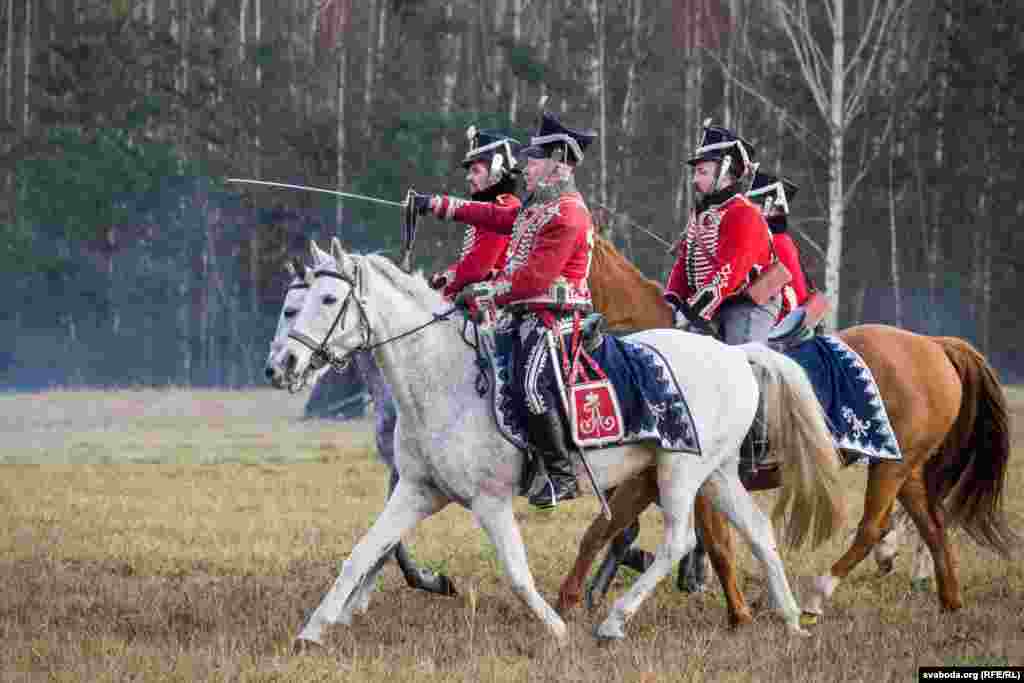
x,y
704,174
478,177
536,169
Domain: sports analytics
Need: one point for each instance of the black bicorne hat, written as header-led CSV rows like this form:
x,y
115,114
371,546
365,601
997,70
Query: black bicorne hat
x,y
769,191
484,145
717,142
552,136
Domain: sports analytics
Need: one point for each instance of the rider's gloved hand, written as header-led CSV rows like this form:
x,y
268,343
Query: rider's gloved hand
x,y
422,203
440,280
686,319
478,300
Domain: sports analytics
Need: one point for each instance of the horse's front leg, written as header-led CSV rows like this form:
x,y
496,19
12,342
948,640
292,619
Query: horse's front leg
x,y
630,499
410,504
714,526
496,517
415,576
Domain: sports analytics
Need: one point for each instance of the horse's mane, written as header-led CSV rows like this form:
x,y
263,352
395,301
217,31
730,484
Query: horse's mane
x,y
626,298
415,284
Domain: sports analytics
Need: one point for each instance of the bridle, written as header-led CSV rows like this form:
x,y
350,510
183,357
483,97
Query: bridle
x,y
322,353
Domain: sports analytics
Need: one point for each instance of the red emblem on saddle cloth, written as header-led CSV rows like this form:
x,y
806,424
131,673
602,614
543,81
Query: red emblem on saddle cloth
x,y
595,418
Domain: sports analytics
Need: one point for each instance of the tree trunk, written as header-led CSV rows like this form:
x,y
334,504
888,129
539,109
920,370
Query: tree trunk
x,y
342,58
243,18
515,18
837,134
9,71
370,67
545,41
451,52
27,84
630,118
689,134
598,15
894,253
258,36
934,244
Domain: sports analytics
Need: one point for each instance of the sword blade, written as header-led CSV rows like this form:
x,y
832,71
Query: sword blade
x,y
593,483
634,224
336,193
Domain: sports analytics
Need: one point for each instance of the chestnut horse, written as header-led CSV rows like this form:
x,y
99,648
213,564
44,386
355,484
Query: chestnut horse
x,y
949,414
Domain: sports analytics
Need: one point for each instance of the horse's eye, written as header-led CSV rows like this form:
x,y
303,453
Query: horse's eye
x,y
289,314
330,299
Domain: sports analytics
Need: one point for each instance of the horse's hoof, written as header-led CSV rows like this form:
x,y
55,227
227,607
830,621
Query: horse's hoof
x,y
566,604
809,618
447,586
740,620
609,630
886,566
921,585
301,646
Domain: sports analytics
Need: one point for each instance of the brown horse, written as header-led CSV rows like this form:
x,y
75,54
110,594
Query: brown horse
x,y
949,414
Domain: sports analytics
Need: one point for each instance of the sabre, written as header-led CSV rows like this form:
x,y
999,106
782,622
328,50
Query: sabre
x,y
350,195
634,224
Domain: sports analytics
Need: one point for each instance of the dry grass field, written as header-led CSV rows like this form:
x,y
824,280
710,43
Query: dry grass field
x,y
182,535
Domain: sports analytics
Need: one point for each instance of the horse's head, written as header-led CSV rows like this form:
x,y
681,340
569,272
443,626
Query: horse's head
x,y
299,284
331,321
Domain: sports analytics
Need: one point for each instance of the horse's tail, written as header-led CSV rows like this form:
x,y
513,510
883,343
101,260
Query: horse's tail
x,y
798,433
969,472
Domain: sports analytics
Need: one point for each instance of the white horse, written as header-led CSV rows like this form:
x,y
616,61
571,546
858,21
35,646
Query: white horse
x,y
450,450
295,297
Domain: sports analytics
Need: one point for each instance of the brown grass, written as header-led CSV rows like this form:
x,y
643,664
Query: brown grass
x,y
183,571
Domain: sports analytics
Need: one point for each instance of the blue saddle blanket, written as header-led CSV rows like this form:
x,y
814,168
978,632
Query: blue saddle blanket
x,y
652,404
850,398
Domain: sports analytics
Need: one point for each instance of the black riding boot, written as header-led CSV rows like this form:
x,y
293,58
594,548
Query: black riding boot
x,y
548,437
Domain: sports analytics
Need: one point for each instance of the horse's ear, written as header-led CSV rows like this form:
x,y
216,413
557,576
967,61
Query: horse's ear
x,y
289,268
318,254
337,251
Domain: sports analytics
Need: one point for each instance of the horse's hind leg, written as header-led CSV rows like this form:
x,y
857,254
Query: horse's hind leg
x,y
735,502
496,517
721,549
409,505
629,500
416,577
931,525
894,531
885,479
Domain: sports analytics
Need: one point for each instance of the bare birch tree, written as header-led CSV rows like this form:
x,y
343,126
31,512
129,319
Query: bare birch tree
x,y
9,66
27,58
451,52
596,93
515,20
370,66
839,91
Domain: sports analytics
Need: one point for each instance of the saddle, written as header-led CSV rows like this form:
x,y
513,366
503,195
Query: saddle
x,y
798,326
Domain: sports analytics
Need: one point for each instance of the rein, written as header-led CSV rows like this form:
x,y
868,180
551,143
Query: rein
x,y
323,355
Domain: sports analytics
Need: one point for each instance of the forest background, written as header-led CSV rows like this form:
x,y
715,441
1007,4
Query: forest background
x,y
126,260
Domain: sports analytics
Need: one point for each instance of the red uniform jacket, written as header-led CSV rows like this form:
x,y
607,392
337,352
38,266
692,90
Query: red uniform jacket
x,y
795,293
483,252
549,253
718,253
